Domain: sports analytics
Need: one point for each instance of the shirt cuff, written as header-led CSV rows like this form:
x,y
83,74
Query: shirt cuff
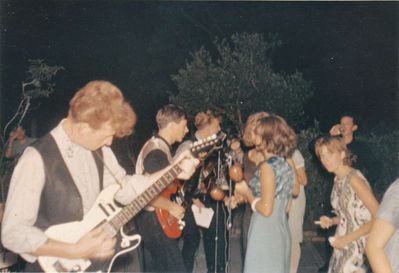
x,y
35,242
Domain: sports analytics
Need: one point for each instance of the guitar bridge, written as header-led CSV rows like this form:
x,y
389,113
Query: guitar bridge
x,y
59,267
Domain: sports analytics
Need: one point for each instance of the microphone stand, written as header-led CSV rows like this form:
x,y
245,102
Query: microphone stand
x,y
217,220
229,218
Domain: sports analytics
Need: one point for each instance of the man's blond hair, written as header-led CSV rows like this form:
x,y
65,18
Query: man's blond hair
x,y
99,102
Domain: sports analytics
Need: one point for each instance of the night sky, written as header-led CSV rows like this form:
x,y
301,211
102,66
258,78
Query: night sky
x,y
348,50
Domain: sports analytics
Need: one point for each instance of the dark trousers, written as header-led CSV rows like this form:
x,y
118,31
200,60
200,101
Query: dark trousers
x,y
191,239
161,253
215,239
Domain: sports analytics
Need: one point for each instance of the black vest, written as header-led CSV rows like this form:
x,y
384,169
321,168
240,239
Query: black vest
x,y
60,200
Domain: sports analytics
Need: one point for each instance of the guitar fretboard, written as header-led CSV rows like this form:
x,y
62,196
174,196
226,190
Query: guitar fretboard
x,y
130,210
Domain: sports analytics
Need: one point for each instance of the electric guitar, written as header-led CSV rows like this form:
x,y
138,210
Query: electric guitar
x,y
172,226
111,217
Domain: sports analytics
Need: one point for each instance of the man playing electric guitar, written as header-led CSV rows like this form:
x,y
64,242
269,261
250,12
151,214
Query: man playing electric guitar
x,y
161,253
58,179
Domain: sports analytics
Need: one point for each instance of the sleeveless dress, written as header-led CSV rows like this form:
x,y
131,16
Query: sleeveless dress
x,y
353,214
269,238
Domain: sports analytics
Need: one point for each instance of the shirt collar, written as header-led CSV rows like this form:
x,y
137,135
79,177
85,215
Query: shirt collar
x,y
197,136
65,143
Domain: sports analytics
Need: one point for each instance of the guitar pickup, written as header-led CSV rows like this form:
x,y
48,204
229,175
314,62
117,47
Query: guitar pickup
x,y
104,209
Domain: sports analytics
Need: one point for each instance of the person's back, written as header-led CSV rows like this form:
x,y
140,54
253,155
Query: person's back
x,y
284,181
272,230
269,193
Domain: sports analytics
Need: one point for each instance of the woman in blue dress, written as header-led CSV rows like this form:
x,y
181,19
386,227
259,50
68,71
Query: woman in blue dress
x,y
269,193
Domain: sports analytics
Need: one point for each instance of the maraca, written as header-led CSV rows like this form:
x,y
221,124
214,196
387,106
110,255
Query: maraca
x,y
217,194
235,173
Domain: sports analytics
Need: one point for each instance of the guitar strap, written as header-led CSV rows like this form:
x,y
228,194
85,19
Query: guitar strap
x,y
98,158
153,143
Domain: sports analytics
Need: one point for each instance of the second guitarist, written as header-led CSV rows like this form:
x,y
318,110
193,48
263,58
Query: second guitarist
x,y
161,253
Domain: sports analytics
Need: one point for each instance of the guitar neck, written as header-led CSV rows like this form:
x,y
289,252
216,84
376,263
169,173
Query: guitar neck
x,y
130,210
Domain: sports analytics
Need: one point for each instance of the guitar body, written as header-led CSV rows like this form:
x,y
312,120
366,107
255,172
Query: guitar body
x,y
103,210
171,226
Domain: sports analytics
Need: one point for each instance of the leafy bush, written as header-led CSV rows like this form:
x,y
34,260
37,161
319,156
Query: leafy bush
x,y
385,148
38,83
239,79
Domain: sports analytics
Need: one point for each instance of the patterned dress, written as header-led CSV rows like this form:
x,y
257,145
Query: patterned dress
x,y
353,214
269,238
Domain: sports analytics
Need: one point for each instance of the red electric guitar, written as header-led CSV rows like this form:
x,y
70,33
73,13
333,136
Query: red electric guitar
x,y
172,226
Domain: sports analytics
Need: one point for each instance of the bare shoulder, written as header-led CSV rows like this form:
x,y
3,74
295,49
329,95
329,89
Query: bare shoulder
x,y
358,182
265,168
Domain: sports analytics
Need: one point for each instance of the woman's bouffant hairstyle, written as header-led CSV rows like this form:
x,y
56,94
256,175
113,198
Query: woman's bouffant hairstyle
x,y
248,136
203,119
333,144
170,113
99,102
277,136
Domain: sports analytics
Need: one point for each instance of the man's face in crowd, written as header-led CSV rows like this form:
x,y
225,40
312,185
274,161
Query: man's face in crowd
x,y
180,129
347,126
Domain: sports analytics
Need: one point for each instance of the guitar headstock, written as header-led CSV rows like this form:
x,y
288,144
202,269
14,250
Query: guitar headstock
x,y
202,148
